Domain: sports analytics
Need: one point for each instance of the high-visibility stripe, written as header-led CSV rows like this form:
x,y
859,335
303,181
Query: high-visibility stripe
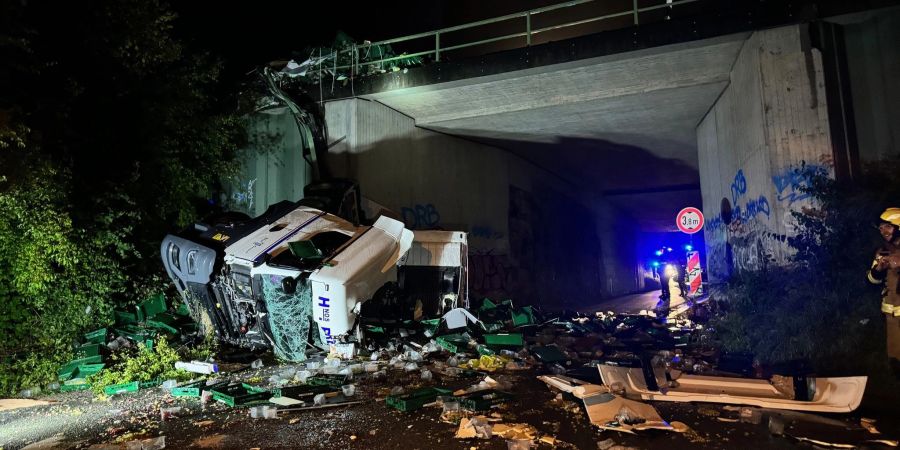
x,y
888,308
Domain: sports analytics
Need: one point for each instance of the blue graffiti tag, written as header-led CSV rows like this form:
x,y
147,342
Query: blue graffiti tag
x,y
421,217
738,186
485,232
790,183
753,208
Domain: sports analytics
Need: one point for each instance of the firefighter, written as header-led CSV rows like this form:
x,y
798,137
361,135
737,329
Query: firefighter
x,y
885,270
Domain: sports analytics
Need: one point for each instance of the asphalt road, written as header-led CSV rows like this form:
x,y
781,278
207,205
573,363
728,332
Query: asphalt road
x,y
79,421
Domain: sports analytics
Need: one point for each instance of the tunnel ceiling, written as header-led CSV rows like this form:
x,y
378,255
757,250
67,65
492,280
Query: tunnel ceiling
x,y
622,126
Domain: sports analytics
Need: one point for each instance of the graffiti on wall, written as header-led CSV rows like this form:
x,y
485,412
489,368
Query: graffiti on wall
x,y
242,197
421,216
739,239
491,273
738,186
790,183
742,208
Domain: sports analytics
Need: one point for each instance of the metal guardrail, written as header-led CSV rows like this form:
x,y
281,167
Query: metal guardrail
x,y
528,33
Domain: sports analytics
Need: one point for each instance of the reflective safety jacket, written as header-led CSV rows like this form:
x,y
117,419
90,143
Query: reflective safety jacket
x,y
890,279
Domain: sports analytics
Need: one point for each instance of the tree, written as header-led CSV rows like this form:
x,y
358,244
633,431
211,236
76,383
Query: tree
x,y
111,132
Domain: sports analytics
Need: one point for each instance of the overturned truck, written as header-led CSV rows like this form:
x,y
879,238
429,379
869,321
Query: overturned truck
x,y
299,275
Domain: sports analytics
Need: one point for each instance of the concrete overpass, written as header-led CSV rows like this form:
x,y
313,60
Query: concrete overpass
x,y
555,157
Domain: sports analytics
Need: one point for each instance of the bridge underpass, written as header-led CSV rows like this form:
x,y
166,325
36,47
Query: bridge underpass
x,y
623,126
563,172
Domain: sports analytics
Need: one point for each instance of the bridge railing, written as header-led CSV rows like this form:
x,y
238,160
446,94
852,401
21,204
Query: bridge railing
x,y
527,32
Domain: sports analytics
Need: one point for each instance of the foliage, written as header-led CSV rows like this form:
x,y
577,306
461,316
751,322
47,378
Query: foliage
x,y
204,350
112,130
56,281
140,364
821,308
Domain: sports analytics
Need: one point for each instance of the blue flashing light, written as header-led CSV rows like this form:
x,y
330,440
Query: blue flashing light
x,y
688,247
659,253
669,249
655,264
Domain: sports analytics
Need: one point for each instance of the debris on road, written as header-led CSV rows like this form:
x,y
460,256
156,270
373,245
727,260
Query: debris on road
x,y
197,367
458,368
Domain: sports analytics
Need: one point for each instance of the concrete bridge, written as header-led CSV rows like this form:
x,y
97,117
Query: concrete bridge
x,y
565,158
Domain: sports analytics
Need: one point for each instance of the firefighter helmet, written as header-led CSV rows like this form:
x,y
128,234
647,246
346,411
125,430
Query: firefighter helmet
x,y
892,216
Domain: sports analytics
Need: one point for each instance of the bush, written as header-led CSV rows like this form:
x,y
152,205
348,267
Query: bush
x,y
57,280
140,364
821,308
111,130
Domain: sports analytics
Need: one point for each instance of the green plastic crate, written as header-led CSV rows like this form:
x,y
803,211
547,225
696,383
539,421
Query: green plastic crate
x,y
523,316
135,333
483,400
305,250
431,325
504,339
86,370
96,336
183,310
68,370
241,395
87,350
74,387
485,350
149,384
333,380
454,343
189,389
415,399
487,305
164,324
122,388
152,306
125,317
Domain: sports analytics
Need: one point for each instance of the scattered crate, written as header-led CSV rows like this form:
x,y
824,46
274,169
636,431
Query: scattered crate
x,y
415,399
334,381
122,388
483,400
241,395
96,336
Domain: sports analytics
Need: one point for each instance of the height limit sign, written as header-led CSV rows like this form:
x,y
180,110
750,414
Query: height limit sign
x,y
689,220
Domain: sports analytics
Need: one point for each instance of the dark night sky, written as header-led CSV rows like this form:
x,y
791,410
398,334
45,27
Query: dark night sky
x,y
248,34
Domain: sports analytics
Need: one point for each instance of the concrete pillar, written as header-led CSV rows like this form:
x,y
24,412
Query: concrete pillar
x,y
769,121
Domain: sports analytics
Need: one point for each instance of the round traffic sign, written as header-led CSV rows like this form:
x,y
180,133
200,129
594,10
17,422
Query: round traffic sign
x,y
689,220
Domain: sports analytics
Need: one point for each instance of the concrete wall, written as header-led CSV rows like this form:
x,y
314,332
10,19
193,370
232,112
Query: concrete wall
x,y
873,60
274,170
769,121
531,235
619,251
